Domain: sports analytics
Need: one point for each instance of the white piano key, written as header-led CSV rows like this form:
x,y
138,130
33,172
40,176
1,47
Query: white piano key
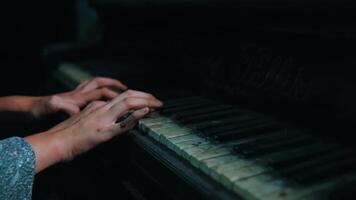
x,y
145,123
223,170
198,149
166,139
259,186
197,158
229,176
153,120
174,131
181,146
207,165
156,130
172,142
184,138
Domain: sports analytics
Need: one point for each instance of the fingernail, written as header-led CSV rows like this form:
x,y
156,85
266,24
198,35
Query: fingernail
x,y
144,110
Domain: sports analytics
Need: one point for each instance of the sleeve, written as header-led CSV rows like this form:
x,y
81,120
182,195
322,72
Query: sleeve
x,y
17,169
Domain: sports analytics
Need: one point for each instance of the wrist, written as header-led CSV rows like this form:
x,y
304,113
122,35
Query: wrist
x,y
49,148
37,106
61,146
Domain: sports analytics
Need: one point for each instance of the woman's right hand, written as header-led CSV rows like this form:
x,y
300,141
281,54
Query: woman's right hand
x,y
97,123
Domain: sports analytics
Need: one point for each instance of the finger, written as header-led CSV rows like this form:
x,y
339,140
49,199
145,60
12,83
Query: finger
x,y
119,109
93,106
66,107
81,85
97,94
130,121
132,94
103,82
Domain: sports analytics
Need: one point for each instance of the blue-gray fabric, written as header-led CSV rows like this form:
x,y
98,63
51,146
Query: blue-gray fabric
x,y
17,169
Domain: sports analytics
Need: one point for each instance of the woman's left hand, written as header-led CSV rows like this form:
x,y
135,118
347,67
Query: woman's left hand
x,y
71,102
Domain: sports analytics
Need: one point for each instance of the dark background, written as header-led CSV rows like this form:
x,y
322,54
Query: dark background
x,y
218,48
26,28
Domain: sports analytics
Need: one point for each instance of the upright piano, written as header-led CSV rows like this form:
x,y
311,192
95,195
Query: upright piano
x,y
259,96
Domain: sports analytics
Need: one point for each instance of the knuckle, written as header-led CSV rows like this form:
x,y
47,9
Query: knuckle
x,y
79,101
130,92
96,103
105,91
108,94
54,100
98,79
93,82
102,91
128,102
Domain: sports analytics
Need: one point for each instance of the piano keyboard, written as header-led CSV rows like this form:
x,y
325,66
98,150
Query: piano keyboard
x,y
248,153
256,157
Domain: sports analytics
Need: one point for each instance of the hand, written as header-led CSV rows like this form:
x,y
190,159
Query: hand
x,y
71,102
97,123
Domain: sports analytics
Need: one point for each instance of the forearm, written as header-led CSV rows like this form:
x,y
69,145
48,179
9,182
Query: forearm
x,y
17,107
17,103
48,148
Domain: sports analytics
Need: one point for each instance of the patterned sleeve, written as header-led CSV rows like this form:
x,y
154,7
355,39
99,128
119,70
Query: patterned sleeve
x,y
17,169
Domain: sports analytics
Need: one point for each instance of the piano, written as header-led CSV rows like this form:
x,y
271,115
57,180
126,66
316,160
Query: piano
x,y
258,95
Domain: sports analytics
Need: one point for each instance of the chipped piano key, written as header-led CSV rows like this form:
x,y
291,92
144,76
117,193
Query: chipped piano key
x,y
181,146
206,165
197,158
257,187
229,176
156,130
219,171
184,138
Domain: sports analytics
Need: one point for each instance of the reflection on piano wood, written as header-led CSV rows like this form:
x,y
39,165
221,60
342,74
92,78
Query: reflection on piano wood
x,y
250,154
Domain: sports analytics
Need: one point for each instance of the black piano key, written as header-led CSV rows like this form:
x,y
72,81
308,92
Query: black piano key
x,y
181,116
277,146
344,190
232,126
204,125
183,103
321,160
270,136
295,156
182,100
247,131
173,95
188,107
327,171
275,137
214,115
